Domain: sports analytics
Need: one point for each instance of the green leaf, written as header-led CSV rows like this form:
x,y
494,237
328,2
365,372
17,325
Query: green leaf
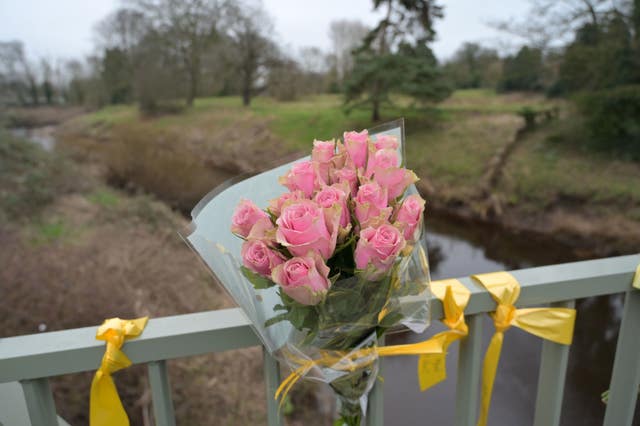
x,y
259,282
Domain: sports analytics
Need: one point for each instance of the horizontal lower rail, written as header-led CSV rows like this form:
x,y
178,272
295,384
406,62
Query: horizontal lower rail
x,y
73,351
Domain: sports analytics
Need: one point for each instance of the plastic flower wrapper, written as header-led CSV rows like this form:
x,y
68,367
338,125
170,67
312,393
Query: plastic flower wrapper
x,y
324,255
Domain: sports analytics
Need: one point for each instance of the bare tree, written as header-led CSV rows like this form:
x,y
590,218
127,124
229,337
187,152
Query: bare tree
x,y
19,72
249,29
187,28
123,29
346,35
550,22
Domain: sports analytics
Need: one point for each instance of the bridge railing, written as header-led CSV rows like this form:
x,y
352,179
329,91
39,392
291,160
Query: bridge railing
x,y
32,359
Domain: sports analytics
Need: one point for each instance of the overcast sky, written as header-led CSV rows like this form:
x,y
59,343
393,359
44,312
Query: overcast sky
x,y
64,28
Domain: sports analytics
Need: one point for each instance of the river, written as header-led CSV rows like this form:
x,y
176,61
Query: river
x,y
459,249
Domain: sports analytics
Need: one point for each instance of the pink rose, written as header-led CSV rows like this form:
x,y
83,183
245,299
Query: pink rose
x,y
330,196
378,248
356,144
276,205
349,176
386,142
245,216
302,176
395,180
304,279
382,159
410,216
323,151
321,157
304,226
259,258
371,205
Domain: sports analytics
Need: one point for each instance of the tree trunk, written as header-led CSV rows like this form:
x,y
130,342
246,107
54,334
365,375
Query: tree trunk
x,y
191,95
246,96
193,86
375,112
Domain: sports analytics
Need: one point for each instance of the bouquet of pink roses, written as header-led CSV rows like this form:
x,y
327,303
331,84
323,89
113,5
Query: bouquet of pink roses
x,y
333,263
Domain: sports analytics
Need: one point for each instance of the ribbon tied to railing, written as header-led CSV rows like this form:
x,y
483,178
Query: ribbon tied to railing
x,y
105,406
431,366
555,324
636,278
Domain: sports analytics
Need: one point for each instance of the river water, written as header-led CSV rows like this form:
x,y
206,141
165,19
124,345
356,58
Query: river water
x,y
458,249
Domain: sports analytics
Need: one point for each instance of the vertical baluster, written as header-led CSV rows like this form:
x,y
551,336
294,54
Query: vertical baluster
x,y
626,367
469,368
272,381
375,407
40,404
161,393
551,379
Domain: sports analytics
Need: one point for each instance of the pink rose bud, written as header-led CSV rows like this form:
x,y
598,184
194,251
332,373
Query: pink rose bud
x,y
304,226
276,205
356,144
370,204
302,176
245,216
330,196
304,279
386,142
323,151
395,180
349,176
410,216
377,249
259,258
263,230
382,159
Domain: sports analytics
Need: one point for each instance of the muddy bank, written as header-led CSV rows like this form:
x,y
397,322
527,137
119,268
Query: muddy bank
x,y
38,116
586,235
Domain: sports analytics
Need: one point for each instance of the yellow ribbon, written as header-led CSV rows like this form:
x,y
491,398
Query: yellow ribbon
x,y
636,278
105,406
455,297
555,324
431,365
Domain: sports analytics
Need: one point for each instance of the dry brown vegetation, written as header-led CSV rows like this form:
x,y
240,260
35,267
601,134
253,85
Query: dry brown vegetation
x,y
37,117
178,165
91,252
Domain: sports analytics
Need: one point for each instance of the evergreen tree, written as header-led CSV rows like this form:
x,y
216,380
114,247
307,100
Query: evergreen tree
x,y
395,57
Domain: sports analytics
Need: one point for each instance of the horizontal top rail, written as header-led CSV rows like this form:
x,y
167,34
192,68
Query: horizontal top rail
x,y
72,351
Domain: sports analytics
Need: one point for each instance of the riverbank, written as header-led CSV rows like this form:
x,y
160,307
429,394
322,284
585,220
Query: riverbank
x,y
545,189
76,251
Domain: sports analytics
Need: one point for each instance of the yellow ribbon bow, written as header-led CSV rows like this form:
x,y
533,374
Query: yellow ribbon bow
x,y
636,278
555,324
105,406
455,297
431,366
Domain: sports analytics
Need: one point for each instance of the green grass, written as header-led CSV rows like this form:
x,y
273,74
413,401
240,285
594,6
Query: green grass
x,y
110,115
104,197
450,144
50,231
543,172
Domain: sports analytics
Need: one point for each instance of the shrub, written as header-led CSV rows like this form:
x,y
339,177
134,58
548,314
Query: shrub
x,y
31,178
613,120
157,162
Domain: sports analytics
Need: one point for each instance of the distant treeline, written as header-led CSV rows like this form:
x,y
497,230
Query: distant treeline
x,y
163,54
156,52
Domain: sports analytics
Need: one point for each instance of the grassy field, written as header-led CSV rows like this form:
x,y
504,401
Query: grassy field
x,y
450,146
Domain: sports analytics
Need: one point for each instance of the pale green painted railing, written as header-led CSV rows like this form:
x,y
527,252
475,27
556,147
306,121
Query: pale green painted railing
x,y
32,359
